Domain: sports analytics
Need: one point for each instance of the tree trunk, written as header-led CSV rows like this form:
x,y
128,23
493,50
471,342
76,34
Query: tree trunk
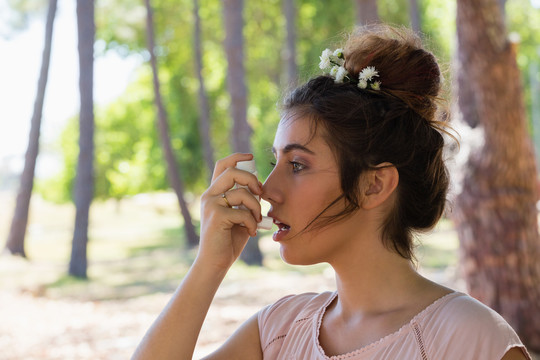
x,y
241,132
496,214
502,4
289,53
15,241
204,108
173,170
367,12
234,49
414,14
84,182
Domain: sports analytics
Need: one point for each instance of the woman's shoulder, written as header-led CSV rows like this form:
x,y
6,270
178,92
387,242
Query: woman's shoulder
x,y
458,319
457,309
276,319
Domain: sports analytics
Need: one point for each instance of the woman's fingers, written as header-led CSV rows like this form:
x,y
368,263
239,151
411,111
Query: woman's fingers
x,y
242,197
241,217
231,177
229,162
214,207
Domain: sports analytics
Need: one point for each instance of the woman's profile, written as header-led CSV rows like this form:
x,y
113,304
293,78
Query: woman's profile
x,y
358,170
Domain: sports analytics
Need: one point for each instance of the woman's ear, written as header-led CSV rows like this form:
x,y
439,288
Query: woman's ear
x,y
379,185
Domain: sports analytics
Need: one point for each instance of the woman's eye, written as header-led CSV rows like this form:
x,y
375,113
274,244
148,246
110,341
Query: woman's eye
x,y
273,164
297,166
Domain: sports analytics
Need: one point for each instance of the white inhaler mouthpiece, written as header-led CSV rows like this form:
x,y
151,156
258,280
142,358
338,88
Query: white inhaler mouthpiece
x,y
249,166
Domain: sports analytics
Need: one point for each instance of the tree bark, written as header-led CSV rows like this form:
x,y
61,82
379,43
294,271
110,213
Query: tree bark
x,y
414,14
495,213
204,107
367,12
236,86
84,182
173,170
289,53
241,132
15,241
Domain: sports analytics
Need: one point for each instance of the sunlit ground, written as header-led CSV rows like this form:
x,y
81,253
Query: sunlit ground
x,y
136,260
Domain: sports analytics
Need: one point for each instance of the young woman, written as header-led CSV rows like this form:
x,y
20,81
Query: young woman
x,y
359,168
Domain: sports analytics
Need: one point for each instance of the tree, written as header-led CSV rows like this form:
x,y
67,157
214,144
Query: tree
x,y
204,107
173,170
84,181
15,242
496,216
241,131
414,13
289,53
366,12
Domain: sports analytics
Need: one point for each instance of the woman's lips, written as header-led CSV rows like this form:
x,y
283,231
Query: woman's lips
x,y
283,230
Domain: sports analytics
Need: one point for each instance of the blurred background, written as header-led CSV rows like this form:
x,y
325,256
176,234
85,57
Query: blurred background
x,y
112,115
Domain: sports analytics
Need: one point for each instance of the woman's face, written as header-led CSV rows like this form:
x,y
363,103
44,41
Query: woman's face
x,y
304,181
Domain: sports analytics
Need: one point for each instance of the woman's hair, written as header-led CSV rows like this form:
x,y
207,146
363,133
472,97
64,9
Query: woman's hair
x,y
397,124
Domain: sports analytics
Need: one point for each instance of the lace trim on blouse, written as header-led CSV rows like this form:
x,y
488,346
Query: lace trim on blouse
x,y
411,324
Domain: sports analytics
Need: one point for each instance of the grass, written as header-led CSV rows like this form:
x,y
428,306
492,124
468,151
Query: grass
x,y
136,247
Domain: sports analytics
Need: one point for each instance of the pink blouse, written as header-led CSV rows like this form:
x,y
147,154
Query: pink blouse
x,y
455,326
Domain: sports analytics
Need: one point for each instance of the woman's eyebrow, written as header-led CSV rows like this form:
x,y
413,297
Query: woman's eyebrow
x,y
294,146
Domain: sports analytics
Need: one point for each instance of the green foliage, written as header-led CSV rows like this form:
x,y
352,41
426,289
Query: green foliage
x,y
120,25
439,27
128,157
59,188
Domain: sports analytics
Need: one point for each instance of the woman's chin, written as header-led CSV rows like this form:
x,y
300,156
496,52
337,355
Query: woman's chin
x,y
293,258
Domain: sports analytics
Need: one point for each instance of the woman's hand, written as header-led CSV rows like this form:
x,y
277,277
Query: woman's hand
x,y
224,230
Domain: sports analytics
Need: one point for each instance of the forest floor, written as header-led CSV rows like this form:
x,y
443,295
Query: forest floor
x,y
135,263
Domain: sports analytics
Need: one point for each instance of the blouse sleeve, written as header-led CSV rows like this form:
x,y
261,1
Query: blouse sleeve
x,y
467,329
276,319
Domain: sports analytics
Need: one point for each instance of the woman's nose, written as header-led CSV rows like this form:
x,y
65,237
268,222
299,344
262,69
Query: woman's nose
x,y
271,189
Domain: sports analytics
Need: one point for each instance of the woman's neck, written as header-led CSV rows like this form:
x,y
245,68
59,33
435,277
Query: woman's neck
x,y
379,283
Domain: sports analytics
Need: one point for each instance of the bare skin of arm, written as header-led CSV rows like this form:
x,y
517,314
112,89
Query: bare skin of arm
x,y
174,333
514,354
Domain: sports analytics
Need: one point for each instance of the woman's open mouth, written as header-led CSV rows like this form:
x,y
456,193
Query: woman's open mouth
x,y
283,230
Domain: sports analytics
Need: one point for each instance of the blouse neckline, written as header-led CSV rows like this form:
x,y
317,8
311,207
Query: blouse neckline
x,y
382,340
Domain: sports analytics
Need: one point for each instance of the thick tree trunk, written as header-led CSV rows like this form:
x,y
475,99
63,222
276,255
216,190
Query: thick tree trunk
x,y
367,12
173,170
15,241
84,182
241,132
414,14
234,49
289,52
204,107
496,214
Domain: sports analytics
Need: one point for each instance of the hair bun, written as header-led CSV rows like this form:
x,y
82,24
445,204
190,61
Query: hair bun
x,y
406,70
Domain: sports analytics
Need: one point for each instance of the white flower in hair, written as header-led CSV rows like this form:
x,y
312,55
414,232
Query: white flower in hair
x,y
362,84
340,75
376,85
338,53
337,57
332,63
368,73
326,53
325,59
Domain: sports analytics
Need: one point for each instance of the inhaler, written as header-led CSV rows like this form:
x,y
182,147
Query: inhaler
x,y
249,166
